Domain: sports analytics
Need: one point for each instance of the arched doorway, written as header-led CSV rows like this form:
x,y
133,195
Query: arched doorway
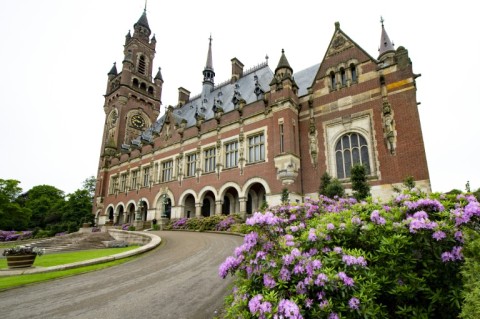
x,y
143,207
256,198
110,214
208,204
231,202
189,206
121,216
130,214
226,206
167,208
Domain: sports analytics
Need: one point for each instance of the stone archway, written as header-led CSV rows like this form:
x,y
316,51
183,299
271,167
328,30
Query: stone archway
x,y
120,215
256,197
110,214
231,201
130,218
189,206
208,204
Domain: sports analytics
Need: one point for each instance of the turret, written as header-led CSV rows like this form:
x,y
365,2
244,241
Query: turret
x,y
386,49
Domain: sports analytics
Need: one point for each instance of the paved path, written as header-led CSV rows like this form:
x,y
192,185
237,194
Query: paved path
x,y
177,280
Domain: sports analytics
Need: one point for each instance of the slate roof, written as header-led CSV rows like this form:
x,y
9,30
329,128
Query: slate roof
x,y
222,95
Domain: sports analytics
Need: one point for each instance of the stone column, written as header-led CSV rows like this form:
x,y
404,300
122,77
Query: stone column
x,y
198,209
243,206
218,207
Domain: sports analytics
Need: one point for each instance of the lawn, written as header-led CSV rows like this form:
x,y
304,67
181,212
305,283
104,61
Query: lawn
x,y
60,259
56,259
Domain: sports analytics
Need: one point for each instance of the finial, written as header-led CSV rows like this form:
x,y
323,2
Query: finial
x,y
283,51
337,25
381,20
145,9
266,58
210,38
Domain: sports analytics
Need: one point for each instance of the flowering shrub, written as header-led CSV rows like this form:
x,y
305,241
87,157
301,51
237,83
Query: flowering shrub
x,y
12,235
210,223
23,250
339,258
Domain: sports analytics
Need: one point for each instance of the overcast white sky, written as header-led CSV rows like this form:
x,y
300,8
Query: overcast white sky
x,y
56,55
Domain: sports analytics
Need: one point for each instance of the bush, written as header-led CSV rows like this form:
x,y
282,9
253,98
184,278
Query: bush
x,y
210,223
360,186
340,258
330,187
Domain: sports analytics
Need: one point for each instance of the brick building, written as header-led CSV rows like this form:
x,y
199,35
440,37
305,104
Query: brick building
x,y
239,143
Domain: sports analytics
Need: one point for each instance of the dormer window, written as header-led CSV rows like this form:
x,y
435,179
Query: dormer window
x,y
353,72
333,81
141,64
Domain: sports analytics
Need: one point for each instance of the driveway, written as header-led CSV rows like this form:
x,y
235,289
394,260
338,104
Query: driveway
x,y
177,280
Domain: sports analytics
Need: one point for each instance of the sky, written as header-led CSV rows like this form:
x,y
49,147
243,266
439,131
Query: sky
x,y
56,55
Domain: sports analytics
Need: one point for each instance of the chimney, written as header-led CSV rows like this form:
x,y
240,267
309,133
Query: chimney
x,y
183,96
237,70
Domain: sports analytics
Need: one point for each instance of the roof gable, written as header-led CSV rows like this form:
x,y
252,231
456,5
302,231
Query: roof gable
x,y
340,50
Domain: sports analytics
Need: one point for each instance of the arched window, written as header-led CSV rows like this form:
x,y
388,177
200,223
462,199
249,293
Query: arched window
x,y
351,149
353,71
150,90
135,83
333,80
141,64
143,86
343,77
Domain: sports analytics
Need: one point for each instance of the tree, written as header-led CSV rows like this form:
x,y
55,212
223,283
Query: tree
x,y
78,208
360,186
324,182
330,187
46,203
335,188
409,183
12,215
89,185
285,196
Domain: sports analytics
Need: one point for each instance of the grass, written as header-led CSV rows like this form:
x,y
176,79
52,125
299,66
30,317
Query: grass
x,y
49,260
16,281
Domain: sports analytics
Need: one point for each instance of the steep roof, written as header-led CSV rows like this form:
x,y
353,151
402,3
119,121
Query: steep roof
x,y
386,45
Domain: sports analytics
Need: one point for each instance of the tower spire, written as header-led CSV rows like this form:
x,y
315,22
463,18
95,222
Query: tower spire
x,y
208,73
386,45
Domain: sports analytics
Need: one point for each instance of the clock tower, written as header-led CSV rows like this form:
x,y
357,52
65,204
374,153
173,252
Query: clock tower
x,y
133,95
132,98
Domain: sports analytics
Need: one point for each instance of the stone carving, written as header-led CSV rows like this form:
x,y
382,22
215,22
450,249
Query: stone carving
x,y
313,142
389,127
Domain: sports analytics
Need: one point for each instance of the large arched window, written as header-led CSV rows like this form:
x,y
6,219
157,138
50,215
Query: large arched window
x,y
351,149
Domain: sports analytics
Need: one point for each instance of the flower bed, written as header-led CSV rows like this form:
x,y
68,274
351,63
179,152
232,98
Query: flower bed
x,y
343,259
12,235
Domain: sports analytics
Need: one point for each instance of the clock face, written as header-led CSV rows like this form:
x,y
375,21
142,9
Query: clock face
x,y
137,121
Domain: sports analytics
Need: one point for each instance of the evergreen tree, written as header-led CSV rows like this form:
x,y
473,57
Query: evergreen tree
x,y
330,187
285,198
409,183
335,188
358,178
324,182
